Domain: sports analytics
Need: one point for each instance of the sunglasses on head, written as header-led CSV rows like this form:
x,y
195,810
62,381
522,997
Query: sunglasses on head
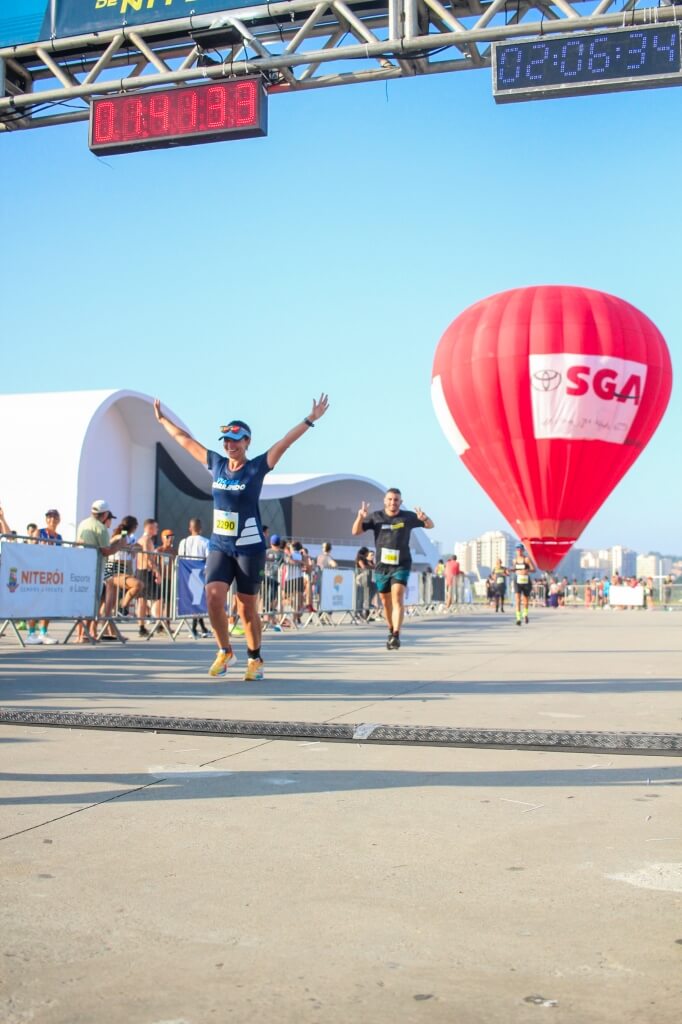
x,y
233,429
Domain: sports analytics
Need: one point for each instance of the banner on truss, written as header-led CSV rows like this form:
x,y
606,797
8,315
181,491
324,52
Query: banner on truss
x,y
24,21
29,21
78,17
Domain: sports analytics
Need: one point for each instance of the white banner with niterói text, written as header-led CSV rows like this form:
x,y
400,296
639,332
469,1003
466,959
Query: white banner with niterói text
x,y
47,581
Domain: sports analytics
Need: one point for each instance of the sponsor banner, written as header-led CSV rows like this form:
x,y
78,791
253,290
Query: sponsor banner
x,y
24,21
191,586
630,597
80,17
336,590
47,581
587,398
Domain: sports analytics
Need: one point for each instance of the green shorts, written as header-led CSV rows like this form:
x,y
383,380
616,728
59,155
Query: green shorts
x,y
385,580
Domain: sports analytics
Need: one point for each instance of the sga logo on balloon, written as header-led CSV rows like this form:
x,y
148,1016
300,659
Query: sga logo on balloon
x,y
548,395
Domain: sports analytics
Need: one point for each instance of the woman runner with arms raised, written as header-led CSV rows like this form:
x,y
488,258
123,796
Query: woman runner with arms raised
x,y
236,551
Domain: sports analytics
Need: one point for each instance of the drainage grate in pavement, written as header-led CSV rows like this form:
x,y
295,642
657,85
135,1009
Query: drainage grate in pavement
x,y
366,732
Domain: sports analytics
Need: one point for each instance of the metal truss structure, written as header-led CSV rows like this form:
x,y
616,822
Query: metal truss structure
x,y
294,45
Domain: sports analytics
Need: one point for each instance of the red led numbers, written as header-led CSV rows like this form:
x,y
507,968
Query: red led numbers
x,y
232,109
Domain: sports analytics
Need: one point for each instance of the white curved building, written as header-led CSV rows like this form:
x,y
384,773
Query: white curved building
x,y
108,444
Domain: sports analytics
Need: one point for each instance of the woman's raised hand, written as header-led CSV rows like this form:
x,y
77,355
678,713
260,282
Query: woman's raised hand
x,y
319,407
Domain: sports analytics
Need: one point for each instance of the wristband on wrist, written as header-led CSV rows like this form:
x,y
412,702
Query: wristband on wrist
x,y
308,423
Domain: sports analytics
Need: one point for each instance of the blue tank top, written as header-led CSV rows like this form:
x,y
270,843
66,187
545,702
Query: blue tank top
x,y
237,527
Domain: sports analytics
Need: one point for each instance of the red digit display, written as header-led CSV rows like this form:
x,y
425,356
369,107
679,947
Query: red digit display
x,y
231,109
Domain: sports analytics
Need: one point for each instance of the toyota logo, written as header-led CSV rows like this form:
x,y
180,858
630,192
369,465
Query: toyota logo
x,y
546,380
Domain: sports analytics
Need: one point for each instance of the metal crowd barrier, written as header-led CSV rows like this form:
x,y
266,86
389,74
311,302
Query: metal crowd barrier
x,y
161,592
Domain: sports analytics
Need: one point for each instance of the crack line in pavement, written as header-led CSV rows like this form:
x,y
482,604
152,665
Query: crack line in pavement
x,y
78,810
235,753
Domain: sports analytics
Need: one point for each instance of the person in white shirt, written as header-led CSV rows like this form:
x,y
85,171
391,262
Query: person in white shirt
x,y
195,546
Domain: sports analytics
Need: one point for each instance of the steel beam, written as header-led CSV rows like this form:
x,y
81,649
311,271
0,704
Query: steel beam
x,y
300,44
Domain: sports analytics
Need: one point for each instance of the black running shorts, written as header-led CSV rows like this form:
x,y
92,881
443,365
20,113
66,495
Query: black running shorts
x,y
246,570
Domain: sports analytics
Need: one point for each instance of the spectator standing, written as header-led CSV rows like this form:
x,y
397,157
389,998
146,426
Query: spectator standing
x,y
324,559
93,533
147,571
274,559
309,569
438,582
363,576
499,585
165,555
668,593
294,578
553,594
195,545
649,593
46,535
452,574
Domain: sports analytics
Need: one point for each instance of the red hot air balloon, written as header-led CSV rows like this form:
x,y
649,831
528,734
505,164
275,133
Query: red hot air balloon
x,y
548,395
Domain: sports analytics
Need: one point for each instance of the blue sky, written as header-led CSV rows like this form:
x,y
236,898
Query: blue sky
x,y
239,279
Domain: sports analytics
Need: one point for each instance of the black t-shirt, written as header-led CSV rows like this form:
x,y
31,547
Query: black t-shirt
x,y
392,538
522,570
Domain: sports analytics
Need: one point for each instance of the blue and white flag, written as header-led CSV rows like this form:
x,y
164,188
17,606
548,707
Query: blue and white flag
x,y
191,587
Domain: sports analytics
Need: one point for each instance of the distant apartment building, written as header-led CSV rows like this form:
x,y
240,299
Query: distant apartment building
x,y
478,556
623,561
465,552
570,565
653,564
596,562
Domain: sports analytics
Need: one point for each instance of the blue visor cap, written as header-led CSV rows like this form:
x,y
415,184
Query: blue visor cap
x,y
235,431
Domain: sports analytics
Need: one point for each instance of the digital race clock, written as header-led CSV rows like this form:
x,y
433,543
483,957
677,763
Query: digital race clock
x,y
570,65
234,108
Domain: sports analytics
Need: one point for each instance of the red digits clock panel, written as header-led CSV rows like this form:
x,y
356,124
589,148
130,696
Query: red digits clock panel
x,y
231,109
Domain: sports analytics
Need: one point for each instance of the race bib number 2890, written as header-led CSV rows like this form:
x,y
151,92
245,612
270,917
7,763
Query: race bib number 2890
x,y
226,524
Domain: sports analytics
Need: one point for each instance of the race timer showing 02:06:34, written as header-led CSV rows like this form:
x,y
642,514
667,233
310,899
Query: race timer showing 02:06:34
x,y
587,62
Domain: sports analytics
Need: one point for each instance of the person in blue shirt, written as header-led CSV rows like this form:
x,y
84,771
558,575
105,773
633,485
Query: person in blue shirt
x,y
46,535
236,550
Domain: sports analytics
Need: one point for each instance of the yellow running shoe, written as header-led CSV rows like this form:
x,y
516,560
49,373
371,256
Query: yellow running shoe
x,y
222,660
254,669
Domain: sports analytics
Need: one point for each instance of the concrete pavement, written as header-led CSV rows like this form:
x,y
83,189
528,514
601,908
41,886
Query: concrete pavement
x,y
151,879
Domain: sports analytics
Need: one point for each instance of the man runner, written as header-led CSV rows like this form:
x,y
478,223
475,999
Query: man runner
x,y
522,568
237,547
392,529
